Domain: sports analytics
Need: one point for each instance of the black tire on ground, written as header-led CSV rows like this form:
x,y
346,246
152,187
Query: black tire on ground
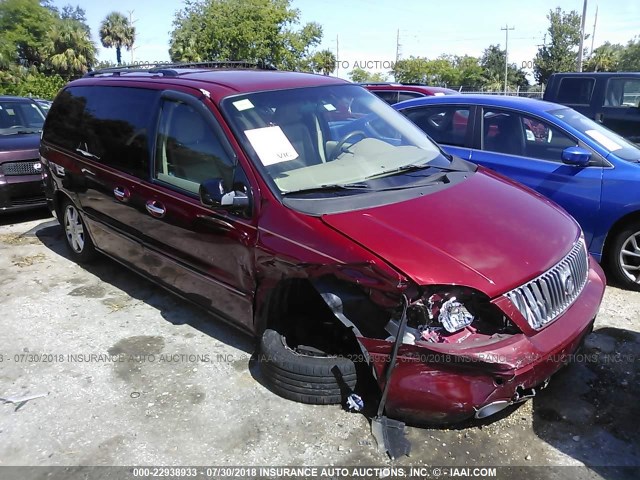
x,y
621,266
318,380
75,232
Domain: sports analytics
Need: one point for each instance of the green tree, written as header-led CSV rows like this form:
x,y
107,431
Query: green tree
x,y
24,25
297,45
560,54
22,81
605,58
323,62
76,14
470,72
70,50
116,31
492,64
359,75
630,56
246,30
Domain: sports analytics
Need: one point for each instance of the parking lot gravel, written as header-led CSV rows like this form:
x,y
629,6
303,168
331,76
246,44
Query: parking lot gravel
x,y
124,373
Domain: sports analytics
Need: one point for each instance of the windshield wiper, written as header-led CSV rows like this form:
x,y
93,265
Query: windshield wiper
x,y
412,167
331,188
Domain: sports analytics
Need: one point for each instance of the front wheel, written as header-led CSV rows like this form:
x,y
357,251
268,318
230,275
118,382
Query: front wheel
x,y
77,238
623,262
305,374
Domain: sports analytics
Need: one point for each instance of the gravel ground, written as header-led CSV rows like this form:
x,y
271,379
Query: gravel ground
x,y
189,394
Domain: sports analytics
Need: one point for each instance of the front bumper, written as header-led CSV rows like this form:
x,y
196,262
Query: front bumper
x,y
21,192
435,387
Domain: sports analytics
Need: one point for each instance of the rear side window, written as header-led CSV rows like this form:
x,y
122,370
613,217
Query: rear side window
x,y
575,91
388,96
446,124
622,92
402,96
109,125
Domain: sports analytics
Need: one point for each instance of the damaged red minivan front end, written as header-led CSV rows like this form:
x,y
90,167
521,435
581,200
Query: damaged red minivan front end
x,y
495,311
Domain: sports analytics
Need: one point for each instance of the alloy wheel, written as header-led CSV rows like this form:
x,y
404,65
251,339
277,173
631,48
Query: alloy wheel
x,y
629,257
74,229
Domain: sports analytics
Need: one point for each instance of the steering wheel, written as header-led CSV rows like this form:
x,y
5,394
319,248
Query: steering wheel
x,y
338,148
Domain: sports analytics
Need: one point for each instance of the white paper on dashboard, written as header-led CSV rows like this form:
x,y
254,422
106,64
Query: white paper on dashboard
x,y
271,145
603,140
244,104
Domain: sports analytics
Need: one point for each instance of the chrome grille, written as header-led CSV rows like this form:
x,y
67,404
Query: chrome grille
x,y
27,167
546,297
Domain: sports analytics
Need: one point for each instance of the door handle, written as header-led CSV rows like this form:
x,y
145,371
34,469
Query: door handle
x,y
155,208
121,194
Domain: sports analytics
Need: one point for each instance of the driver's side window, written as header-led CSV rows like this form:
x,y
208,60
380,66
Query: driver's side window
x,y
188,150
445,124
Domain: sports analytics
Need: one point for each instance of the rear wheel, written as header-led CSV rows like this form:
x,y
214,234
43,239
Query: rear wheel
x,y
623,262
309,367
77,238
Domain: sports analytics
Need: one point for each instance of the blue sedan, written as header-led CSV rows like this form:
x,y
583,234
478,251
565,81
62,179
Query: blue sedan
x,y
587,169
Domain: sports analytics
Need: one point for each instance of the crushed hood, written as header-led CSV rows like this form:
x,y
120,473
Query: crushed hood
x,y
485,232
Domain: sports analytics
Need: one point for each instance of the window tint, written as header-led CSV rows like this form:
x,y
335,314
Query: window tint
x,y
622,92
15,114
575,91
445,124
402,96
515,134
387,96
188,150
107,124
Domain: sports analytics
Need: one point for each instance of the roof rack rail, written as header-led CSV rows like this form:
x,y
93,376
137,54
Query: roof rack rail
x,y
379,83
170,69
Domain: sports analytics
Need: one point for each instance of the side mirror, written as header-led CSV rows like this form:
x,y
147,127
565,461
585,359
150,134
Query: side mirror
x,y
213,194
576,156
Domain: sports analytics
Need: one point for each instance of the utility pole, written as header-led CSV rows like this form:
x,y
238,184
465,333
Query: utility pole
x,y
337,57
506,55
131,22
584,17
398,46
593,35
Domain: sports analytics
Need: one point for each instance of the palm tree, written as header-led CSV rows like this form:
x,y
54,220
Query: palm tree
x,y
116,31
605,58
69,48
324,62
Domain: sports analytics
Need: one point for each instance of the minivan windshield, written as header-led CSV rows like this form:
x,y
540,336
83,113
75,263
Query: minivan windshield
x,y
20,117
326,137
604,137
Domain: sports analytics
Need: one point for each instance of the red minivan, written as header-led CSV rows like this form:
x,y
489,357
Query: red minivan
x,y
334,240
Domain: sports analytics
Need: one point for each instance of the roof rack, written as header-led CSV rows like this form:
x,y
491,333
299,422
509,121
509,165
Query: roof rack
x,y
379,83
172,69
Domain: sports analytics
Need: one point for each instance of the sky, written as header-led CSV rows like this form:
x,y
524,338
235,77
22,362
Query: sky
x,y
368,32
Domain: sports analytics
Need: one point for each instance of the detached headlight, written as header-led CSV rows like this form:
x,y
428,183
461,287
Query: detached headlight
x,y
452,314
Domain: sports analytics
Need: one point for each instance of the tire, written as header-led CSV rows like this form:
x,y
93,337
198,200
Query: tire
x,y
76,236
621,267
304,378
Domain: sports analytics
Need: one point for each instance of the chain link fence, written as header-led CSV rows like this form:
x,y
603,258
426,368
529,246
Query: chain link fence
x,y
530,92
